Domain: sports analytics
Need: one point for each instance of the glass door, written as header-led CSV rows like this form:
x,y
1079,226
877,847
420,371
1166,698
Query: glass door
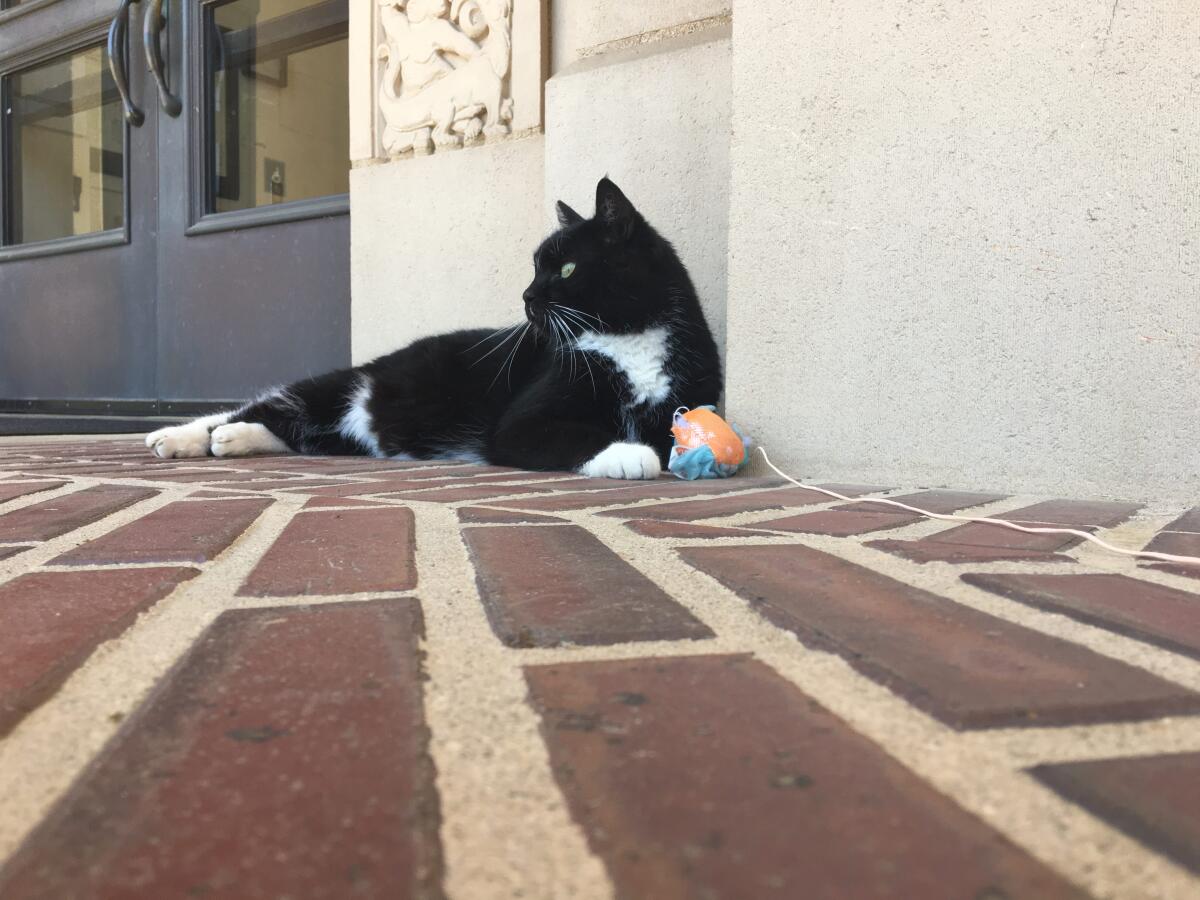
x,y
254,246
174,225
77,210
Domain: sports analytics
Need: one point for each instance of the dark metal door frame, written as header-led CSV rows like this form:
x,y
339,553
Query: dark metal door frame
x,y
233,301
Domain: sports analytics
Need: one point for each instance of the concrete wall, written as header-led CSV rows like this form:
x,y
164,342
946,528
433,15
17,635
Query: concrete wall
x,y
965,245
443,242
655,118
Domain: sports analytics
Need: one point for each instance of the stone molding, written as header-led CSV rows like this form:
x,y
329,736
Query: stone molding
x,y
432,75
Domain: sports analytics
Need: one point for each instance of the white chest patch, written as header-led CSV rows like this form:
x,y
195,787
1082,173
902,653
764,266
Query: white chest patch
x,y
641,358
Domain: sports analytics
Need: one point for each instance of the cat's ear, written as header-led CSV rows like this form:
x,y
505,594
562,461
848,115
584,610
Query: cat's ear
x,y
614,210
566,215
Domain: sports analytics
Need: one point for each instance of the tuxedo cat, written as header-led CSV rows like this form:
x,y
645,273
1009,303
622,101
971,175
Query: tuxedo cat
x,y
615,340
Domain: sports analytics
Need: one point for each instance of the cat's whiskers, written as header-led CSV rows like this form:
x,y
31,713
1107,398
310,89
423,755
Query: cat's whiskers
x,y
511,358
574,346
580,313
511,329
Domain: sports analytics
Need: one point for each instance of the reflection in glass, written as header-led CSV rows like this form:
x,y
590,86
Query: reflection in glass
x,y
65,139
277,99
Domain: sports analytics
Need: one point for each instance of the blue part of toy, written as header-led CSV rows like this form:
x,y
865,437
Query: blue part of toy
x,y
699,462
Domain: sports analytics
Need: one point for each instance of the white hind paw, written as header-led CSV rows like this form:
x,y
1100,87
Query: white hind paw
x,y
179,441
635,461
245,439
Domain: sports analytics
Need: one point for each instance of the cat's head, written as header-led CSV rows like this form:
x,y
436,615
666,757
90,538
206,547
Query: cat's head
x,y
611,273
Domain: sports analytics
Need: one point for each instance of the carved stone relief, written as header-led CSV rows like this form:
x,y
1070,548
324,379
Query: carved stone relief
x,y
445,72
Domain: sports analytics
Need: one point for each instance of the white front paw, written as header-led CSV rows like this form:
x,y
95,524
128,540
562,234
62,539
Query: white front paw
x,y
623,461
179,441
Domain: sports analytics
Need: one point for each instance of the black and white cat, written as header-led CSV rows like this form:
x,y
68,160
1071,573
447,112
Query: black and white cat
x,y
615,341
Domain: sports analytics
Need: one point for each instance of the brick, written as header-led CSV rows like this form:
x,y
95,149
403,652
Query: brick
x,y
1154,799
286,756
1178,543
979,542
329,552
1148,612
579,495
711,776
11,490
543,587
217,476
362,487
50,622
1189,522
340,502
938,501
282,482
50,518
187,531
838,522
780,498
964,667
865,517
662,528
924,551
475,472
482,515
470,494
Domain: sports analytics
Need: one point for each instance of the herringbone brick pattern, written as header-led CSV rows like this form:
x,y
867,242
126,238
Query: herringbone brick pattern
x,y
312,677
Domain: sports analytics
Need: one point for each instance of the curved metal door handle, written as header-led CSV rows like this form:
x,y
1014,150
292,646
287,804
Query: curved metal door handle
x,y
118,62
150,30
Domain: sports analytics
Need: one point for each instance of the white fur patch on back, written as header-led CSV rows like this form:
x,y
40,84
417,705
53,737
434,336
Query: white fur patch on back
x,y
356,423
641,358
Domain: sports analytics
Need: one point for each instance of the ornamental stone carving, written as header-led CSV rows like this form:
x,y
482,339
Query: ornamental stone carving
x,y
445,68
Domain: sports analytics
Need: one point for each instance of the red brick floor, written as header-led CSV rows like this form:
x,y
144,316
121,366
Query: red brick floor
x,y
303,677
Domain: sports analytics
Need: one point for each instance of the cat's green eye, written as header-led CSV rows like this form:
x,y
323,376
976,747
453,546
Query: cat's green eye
x,y
567,269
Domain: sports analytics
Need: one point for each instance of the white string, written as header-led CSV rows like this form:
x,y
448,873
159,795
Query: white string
x,y
1148,554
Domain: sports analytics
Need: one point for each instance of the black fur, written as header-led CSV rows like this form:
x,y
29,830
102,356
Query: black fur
x,y
523,396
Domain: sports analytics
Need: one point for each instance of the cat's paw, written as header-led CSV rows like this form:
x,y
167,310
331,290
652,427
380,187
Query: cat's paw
x,y
634,461
179,441
245,439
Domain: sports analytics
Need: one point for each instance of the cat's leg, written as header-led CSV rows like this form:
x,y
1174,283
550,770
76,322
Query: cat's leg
x,y
554,444
318,415
187,440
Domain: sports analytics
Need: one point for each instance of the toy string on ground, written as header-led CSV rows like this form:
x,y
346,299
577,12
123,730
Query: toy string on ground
x,y
1144,554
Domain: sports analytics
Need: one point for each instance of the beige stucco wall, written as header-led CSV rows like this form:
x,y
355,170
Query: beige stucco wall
x,y
655,119
965,245
442,242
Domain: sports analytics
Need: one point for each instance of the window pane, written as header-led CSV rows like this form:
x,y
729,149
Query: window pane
x,y
277,88
65,136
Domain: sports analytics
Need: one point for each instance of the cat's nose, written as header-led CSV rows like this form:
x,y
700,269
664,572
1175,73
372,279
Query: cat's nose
x,y
530,296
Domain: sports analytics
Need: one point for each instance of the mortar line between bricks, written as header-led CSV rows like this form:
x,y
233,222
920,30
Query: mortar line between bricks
x,y
486,744
1062,835
1027,747
51,746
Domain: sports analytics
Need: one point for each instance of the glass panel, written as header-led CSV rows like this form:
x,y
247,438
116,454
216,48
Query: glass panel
x,y
65,137
277,97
